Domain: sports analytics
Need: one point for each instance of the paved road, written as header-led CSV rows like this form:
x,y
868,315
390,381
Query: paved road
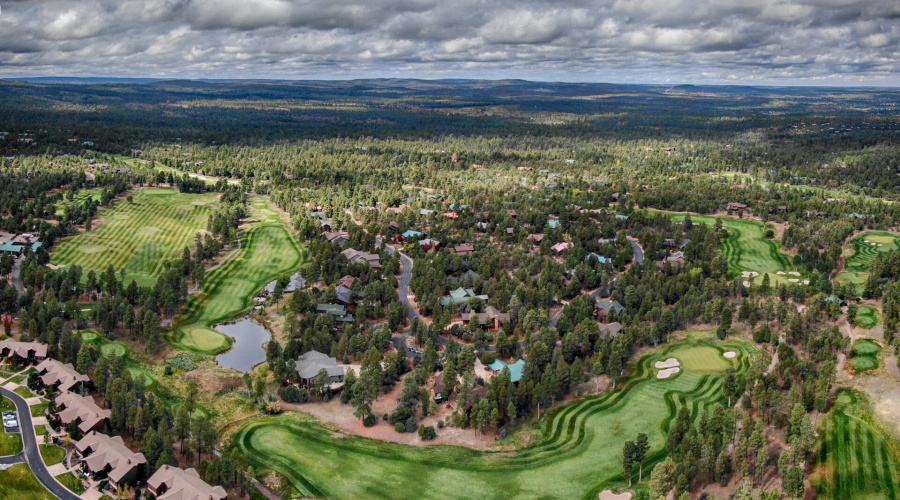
x,y
636,248
31,452
16,276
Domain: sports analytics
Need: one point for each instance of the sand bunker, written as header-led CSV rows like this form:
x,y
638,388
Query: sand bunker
x,y
749,274
782,273
881,244
793,273
805,282
668,372
747,284
609,495
669,363
730,354
794,280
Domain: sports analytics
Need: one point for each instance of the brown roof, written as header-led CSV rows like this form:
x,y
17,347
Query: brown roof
x,y
23,348
489,315
80,409
536,237
347,281
105,451
53,372
180,484
372,259
463,249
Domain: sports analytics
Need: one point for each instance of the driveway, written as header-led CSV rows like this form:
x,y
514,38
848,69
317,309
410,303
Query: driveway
x,y
31,452
637,250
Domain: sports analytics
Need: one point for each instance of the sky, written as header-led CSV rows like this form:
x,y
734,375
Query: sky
x,y
752,42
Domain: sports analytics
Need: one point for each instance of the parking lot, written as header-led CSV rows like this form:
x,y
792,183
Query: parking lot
x,y
10,422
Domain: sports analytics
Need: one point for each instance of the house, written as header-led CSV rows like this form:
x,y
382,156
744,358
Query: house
x,y
354,256
621,217
82,410
437,391
175,483
815,213
676,259
394,227
737,206
451,215
536,238
347,281
27,352
491,318
338,311
515,369
426,212
604,307
601,259
461,295
608,330
463,249
344,294
553,223
470,274
855,215
512,213
340,239
59,375
673,244
410,234
108,457
562,247
483,226
309,364
429,244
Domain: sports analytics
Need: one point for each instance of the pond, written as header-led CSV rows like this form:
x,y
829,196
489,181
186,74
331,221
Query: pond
x,y
249,348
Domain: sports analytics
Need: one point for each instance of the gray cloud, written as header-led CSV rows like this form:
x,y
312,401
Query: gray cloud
x,y
701,41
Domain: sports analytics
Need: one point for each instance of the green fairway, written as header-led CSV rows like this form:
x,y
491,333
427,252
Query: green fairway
x,y
80,197
139,237
864,355
268,250
867,317
861,251
747,249
578,454
856,459
18,482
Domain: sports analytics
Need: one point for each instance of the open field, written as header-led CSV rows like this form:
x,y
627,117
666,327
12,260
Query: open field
x,y
268,250
857,460
580,442
18,482
747,249
139,237
859,255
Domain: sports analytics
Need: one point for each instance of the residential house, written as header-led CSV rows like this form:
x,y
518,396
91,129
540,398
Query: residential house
x,y
536,238
463,249
675,258
483,226
340,239
426,212
108,457
26,352
175,483
491,318
372,259
82,410
604,307
309,364
610,329
429,244
562,247
469,274
601,259
347,281
512,213
673,244
451,215
515,369
621,217
737,206
60,376
344,295
855,215
461,295
337,310
409,234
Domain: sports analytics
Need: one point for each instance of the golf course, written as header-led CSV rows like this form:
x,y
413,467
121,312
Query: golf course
x,y
856,459
267,250
748,250
577,454
139,237
861,251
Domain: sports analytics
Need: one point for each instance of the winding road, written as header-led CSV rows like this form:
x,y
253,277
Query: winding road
x,y
31,453
636,249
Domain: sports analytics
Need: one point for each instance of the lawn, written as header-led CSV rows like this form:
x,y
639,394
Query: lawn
x,y
80,197
856,458
139,237
52,454
577,455
861,251
866,316
10,444
268,250
747,249
24,392
38,409
18,482
6,405
72,483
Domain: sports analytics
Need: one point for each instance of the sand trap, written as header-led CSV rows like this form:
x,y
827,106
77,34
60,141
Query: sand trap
x,y
669,363
805,282
747,284
782,273
793,273
749,274
794,280
668,372
730,354
881,244
609,495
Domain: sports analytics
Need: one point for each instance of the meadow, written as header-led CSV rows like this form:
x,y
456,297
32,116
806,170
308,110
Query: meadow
x,y
856,459
268,250
577,455
859,255
747,249
139,237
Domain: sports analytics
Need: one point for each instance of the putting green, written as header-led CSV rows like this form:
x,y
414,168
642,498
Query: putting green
x,y
89,336
139,237
861,251
268,250
856,459
864,355
867,316
114,348
581,442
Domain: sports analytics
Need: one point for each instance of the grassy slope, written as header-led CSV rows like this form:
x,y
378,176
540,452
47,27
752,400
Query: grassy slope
x,y
268,250
857,460
139,237
578,454
748,249
19,483
861,255
80,198
52,454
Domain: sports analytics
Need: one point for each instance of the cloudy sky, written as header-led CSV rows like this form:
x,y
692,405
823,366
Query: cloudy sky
x,y
805,42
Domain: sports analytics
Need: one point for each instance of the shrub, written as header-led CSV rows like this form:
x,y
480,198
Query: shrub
x,y
345,397
399,427
427,433
411,424
440,424
292,394
370,420
488,358
183,361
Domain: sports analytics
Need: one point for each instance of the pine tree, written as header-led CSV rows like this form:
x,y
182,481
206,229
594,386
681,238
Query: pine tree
x,y
628,456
